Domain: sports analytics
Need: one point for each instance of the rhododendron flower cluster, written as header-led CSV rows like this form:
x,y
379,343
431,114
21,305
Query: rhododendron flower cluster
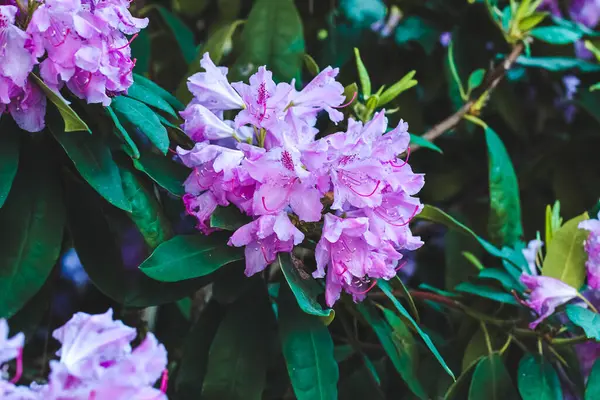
x,y
95,362
77,43
268,162
592,248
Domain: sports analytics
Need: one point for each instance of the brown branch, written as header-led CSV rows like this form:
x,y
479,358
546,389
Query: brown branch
x,y
491,82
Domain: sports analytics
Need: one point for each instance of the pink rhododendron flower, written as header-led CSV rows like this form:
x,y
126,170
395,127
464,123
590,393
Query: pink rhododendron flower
x,y
97,362
531,254
270,166
546,294
354,257
211,88
264,238
9,347
592,248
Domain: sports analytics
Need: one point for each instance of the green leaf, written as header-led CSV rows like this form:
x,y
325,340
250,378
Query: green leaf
x,y
537,380
555,34
143,118
194,360
491,380
486,292
586,319
308,350
93,160
565,256
505,205
311,65
422,142
141,49
531,21
575,26
10,140
476,79
397,88
507,281
363,75
592,390
386,289
73,122
238,355
32,221
422,31
556,64
189,256
459,386
99,245
343,352
214,46
146,213
434,214
172,100
182,34
304,287
165,172
407,353
273,36
133,151
141,93
228,218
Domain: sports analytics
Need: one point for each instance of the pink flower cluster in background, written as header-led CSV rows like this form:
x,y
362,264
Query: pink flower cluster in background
x,y
95,362
266,160
80,44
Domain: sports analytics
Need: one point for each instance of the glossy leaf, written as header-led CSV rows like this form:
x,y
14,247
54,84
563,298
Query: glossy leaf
x,y
588,320
434,214
507,281
72,121
416,29
363,75
35,215
565,257
132,149
304,287
143,118
189,256
363,13
93,161
140,93
182,34
397,88
459,387
505,204
141,49
308,350
491,380
487,292
228,218
9,156
537,380
555,34
172,100
274,36
311,65
476,79
386,289
237,359
146,212
556,64
592,390
406,359
165,172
